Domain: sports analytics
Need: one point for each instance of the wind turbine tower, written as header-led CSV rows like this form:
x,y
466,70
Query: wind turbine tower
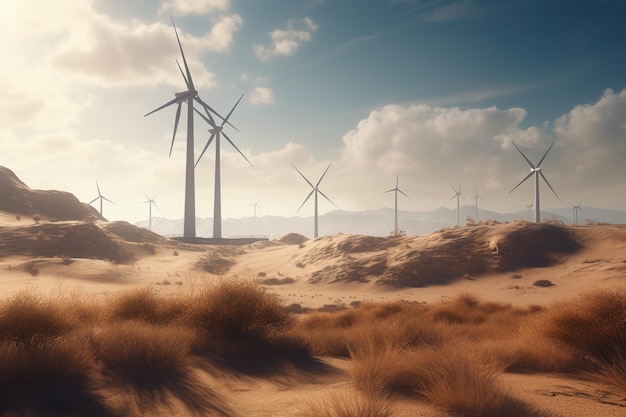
x,y
529,209
396,190
100,197
255,205
315,190
475,198
576,208
536,171
458,195
150,202
189,230
216,133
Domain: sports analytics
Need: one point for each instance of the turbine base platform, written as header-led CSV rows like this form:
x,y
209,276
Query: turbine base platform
x,y
233,241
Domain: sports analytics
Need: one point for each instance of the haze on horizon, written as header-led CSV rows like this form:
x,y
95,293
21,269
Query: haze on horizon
x,y
433,91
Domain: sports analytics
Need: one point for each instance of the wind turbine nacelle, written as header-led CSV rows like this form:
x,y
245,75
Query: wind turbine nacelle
x,y
184,96
535,170
215,130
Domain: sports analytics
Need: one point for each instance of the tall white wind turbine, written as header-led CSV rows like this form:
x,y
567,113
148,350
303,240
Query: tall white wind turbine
x,y
150,202
396,190
315,190
536,171
475,198
188,96
101,198
216,133
457,195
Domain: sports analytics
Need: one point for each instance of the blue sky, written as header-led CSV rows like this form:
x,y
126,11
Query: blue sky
x,y
433,90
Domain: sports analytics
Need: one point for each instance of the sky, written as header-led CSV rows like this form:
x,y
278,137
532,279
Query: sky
x,y
431,91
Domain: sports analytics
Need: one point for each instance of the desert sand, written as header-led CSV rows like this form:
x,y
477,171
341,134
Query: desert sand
x,y
495,262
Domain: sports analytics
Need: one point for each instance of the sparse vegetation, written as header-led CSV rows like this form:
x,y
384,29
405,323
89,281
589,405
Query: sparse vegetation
x,y
448,354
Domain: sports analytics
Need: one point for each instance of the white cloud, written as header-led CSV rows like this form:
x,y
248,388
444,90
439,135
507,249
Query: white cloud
x,y
261,96
286,42
193,7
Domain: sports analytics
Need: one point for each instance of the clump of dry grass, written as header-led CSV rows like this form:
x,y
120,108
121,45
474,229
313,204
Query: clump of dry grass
x,y
144,304
236,317
135,348
29,318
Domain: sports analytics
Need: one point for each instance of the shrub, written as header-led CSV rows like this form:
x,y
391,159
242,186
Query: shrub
x,y
134,349
28,318
233,310
350,406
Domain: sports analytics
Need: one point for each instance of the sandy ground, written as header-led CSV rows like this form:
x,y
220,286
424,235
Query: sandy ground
x,y
293,265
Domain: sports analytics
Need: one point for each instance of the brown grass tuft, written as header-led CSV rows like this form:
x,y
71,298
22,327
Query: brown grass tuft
x,y
350,406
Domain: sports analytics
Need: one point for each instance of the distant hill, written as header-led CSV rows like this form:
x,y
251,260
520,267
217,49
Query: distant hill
x,y
377,222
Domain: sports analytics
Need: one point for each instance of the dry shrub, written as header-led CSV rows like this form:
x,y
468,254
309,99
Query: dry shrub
x,y
236,311
594,323
467,309
29,318
350,406
143,303
450,377
134,348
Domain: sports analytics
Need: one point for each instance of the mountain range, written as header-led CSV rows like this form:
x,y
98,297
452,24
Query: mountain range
x,y
378,222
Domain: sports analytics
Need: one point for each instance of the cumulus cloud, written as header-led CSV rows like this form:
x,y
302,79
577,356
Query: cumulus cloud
x,y
261,96
193,7
286,42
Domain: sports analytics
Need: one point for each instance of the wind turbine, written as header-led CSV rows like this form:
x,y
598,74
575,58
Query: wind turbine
x,y
216,133
475,198
255,205
100,197
396,191
457,194
315,190
186,96
576,208
150,202
529,208
536,171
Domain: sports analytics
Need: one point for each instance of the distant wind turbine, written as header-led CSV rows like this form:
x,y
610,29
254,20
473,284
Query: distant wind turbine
x,y
216,133
576,208
100,197
536,171
475,198
457,195
188,96
315,190
150,202
396,190
255,205
529,208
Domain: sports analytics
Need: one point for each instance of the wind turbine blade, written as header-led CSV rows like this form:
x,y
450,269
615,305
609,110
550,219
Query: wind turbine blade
x,y
324,195
235,146
231,111
520,183
305,178
520,151
306,199
209,119
183,74
107,200
396,179
190,81
94,200
548,150
546,180
205,148
175,128
388,191
163,106
206,106
402,192
322,177
155,205
455,190
98,187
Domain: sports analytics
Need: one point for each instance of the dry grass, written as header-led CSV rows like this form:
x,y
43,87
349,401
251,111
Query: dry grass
x,y
448,354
